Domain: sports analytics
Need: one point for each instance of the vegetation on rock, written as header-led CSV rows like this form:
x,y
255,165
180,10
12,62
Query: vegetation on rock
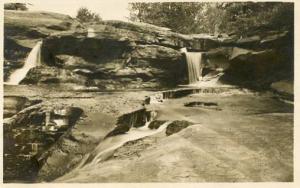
x,y
85,15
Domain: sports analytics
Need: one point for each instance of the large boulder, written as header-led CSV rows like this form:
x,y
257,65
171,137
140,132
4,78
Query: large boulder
x,y
257,69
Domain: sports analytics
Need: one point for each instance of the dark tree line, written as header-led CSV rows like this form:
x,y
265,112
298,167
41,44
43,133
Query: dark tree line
x,y
194,17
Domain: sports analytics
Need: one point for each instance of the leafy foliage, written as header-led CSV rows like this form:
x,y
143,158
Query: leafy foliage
x,y
85,15
15,6
194,17
246,16
178,16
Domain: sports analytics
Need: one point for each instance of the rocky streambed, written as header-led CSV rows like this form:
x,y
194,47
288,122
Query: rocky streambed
x,y
183,135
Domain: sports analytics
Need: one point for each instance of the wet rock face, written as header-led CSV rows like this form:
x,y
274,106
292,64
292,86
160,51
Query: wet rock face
x,y
29,133
177,126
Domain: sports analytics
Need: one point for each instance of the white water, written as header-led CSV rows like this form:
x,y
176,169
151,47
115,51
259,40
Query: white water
x,y
107,147
91,33
195,67
194,64
33,59
210,81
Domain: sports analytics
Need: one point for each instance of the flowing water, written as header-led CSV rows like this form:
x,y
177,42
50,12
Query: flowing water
x,y
195,67
106,148
194,64
91,33
33,59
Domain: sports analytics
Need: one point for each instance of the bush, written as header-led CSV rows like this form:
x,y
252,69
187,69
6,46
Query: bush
x,y
15,6
85,15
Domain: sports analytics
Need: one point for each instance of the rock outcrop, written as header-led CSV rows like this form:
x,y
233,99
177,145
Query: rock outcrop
x,y
121,55
21,33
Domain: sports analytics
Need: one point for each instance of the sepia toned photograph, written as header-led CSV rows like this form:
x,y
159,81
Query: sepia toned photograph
x,y
146,92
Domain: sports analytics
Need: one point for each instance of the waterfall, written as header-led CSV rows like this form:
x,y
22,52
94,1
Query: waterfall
x,y
33,59
194,65
91,33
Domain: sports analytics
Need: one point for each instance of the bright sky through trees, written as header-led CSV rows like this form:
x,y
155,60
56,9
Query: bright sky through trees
x,y
108,10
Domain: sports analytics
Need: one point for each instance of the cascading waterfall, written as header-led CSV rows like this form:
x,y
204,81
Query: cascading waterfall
x,y
194,65
107,147
33,59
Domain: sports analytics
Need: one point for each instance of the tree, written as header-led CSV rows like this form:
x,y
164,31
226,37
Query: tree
x,y
246,16
181,17
85,15
195,17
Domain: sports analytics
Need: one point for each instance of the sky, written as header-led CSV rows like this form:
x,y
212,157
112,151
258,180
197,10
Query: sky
x,y
107,9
